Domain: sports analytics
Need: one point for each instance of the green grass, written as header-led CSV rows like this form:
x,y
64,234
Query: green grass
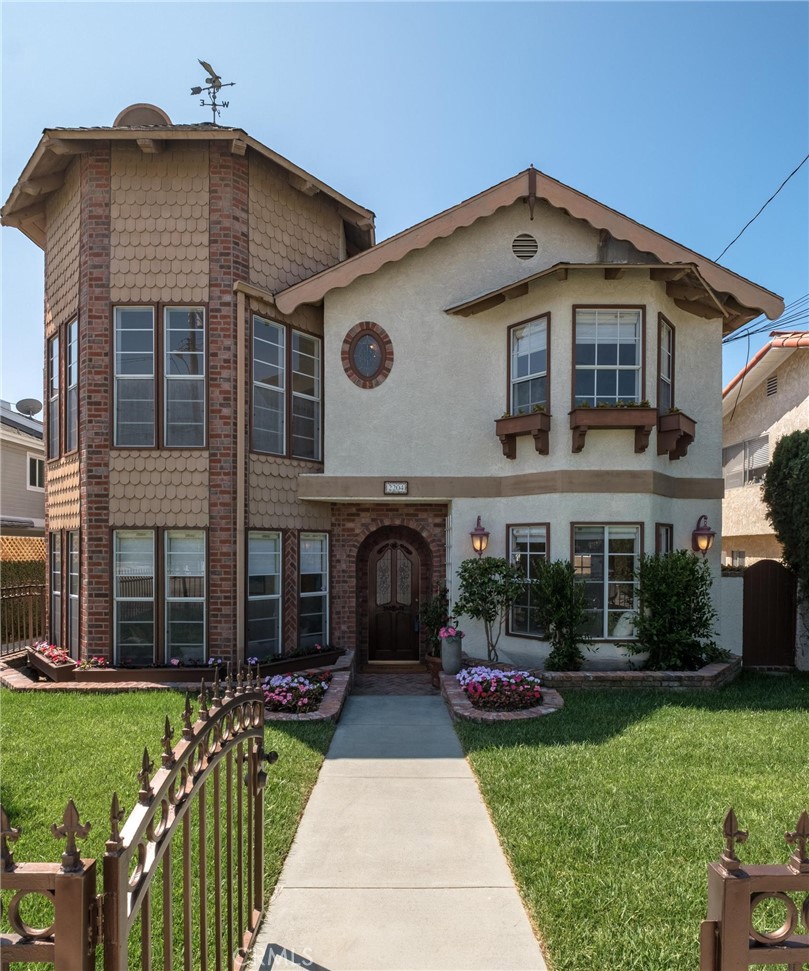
x,y
59,745
610,810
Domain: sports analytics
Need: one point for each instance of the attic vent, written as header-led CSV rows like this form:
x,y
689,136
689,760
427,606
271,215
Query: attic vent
x,y
524,246
772,384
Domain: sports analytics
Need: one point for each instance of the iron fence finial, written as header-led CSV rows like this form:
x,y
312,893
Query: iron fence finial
x,y
71,828
799,838
7,832
167,758
733,835
203,701
217,694
146,792
188,731
115,842
229,683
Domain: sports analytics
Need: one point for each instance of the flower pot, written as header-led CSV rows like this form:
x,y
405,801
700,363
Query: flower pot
x,y
55,672
451,655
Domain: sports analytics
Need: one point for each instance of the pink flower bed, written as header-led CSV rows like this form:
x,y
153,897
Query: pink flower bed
x,y
56,655
295,693
495,690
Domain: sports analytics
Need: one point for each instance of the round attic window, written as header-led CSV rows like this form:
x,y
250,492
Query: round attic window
x,y
367,354
524,246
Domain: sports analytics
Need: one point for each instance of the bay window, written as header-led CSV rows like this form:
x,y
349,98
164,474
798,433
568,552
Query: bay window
x,y
185,595
527,546
605,559
184,378
73,569
134,418
55,544
72,382
263,594
53,398
134,596
608,356
529,365
665,377
269,376
313,609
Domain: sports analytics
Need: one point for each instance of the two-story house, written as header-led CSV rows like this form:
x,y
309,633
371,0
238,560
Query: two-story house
x,y
767,399
264,430
22,486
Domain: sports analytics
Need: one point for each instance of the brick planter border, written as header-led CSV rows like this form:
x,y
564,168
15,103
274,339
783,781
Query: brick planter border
x,y
461,707
710,678
335,698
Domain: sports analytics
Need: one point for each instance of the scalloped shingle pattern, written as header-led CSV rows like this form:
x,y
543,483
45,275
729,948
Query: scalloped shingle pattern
x,y
273,496
62,252
159,488
292,235
63,495
159,225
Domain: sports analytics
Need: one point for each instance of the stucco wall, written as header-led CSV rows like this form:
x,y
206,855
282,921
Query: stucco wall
x,y
731,613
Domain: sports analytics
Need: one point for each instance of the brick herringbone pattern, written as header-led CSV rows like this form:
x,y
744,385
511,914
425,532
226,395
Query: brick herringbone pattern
x,y
374,683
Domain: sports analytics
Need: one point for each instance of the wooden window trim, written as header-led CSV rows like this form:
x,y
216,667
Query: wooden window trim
x,y
658,544
162,421
67,386
281,585
509,527
608,306
509,333
56,543
164,535
299,597
52,456
661,321
68,534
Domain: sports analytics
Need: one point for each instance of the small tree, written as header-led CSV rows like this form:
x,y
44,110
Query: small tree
x,y
786,495
562,608
488,586
434,616
676,618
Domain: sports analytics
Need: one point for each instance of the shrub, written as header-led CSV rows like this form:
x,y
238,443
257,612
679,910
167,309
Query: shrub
x,y
676,617
561,604
488,587
786,496
13,573
435,615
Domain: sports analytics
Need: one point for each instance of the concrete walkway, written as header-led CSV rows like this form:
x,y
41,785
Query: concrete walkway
x,y
396,864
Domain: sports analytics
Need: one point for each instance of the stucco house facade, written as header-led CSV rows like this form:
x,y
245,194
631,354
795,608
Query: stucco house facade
x,y
769,398
265,430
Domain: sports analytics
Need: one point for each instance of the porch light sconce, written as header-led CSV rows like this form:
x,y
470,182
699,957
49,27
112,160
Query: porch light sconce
x,y
703,536
480,538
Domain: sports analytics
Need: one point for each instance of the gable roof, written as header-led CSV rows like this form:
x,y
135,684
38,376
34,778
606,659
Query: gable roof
x,y
742,299
784,343
43,173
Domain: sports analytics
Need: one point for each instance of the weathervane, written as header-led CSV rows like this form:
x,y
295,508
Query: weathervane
x,y
213,84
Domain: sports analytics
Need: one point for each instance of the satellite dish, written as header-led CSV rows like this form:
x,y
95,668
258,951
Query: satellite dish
x,y
29,407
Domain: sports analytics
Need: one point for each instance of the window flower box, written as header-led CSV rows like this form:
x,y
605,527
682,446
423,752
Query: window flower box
x,y
638,417
510,427
675,432
53,670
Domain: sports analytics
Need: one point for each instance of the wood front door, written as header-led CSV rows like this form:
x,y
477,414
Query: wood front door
x,y
394,570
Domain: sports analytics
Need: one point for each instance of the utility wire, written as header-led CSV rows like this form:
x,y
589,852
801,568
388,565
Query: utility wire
x,y
796,312
762,209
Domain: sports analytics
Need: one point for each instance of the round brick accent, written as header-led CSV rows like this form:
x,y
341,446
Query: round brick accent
x,y
367,328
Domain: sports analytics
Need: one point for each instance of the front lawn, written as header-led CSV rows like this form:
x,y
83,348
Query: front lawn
x,y
610,810
61,745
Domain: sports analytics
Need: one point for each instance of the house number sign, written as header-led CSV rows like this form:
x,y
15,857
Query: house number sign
x,y
395,488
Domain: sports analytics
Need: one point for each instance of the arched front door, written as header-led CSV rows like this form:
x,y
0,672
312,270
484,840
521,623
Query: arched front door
x,y
394,572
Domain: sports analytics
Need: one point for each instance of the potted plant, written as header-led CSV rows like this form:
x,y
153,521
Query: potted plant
x,y
434,615
451,637
54,662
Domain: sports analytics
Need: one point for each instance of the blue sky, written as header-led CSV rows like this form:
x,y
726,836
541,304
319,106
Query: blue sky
x,y
685,116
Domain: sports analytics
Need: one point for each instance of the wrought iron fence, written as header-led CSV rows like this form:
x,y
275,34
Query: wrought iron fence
x,y
22,616
737,933
177,846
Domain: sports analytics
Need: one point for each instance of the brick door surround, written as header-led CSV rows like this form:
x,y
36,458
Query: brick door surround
x,y
356,530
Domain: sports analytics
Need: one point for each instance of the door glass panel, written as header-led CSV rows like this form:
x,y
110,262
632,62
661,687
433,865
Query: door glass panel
x,y
404,574
383,577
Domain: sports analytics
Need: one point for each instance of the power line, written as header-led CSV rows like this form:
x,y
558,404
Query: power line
x,y
762,209
795,312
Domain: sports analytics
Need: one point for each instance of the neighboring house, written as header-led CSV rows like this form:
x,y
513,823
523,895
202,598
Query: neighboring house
x,y
767,399
264,430
22,486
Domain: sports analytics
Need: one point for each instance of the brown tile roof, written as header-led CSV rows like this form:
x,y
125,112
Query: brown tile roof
x,y
789,340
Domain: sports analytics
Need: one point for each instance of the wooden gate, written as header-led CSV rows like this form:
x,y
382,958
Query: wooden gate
x,y
769,616
217,882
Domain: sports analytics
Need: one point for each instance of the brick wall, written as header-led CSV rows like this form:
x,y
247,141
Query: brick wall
x,y
94,407
352,538
228,261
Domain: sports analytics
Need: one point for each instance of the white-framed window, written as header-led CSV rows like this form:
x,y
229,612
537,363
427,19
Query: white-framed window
x,y
55,550
746,462
287,376
185,595
53,397
313,604
73,572
72,387
527,546
664,538
134,409
608,355
529,365
134,596
263,594
605,558
36,473
737,559
184,377
665,383
269,386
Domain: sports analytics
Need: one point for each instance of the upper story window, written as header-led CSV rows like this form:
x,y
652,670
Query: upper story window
x,y
136,357
72,383
527,546
665,376
53,398
36,473
745,462
529,365
286,391
608,355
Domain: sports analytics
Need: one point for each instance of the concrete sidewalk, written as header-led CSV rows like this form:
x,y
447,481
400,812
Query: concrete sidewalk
x,y
396,864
